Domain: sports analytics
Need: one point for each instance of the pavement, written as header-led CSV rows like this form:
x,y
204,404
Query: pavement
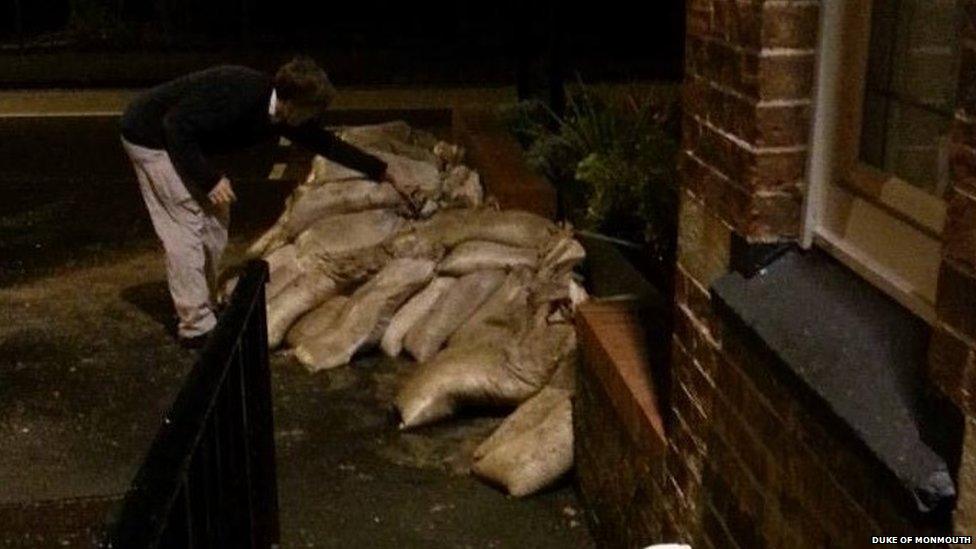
x,y
88,364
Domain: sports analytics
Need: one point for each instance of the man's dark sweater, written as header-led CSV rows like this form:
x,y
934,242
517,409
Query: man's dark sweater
x,y
223,109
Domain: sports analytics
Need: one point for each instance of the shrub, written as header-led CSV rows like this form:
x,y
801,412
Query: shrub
x,y
613,157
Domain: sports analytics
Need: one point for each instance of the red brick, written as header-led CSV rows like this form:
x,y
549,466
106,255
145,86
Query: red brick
x,y
782,126
962,130
755,169
731,203
790,25
949,358
785,76
614,348
695,177
774,218
960,230
956,300
962,161
966,90
699,18
781,400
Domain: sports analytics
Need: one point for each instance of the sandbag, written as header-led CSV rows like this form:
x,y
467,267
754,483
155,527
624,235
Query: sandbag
x,y
268,242
316,321
419,182
448,154
462,188
541,348
326,171
283,269
502,316
353,195
367,134
483,372
509,227
453,308
395,137
480,255
564,253
462,375
365,315
323,173
302,295
532,448
411,313
348,247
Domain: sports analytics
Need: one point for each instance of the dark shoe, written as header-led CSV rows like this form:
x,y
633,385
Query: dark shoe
x,y
195,342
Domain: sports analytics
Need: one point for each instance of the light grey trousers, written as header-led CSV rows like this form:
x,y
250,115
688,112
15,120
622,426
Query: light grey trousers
x,y
193,236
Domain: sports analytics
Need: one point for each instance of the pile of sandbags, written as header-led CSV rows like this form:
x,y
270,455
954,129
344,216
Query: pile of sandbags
x,y
481,298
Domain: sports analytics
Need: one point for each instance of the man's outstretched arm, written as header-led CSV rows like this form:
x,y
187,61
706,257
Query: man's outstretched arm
x,y
325,143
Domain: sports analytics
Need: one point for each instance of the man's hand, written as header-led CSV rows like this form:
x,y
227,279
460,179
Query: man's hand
x,y
222,193
388,177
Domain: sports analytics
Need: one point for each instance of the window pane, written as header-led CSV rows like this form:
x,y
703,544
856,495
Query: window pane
x,y
913,147
926,52
910,89
873,130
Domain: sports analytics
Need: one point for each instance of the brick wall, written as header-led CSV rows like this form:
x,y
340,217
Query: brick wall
x,y
953,348
748,463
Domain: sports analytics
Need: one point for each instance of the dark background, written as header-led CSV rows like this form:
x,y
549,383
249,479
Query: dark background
x,y
362,42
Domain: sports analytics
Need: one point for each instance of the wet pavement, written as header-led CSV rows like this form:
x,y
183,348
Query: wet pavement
x,y
88,366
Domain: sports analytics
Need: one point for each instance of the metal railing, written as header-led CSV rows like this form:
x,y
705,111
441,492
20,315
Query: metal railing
x,y
209,478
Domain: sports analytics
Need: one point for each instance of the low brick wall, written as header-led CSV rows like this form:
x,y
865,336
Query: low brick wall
x,y
748,462
619,432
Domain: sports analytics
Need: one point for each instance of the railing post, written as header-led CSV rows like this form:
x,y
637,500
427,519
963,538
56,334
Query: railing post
x,y
260,425
211,467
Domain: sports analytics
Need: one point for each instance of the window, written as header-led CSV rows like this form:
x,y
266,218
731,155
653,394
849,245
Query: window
x,y
910,90
886,86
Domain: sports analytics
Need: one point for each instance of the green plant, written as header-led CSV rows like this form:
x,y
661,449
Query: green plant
x,y
613,156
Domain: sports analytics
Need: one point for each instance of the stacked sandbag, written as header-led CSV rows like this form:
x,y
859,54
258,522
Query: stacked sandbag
x,y
533,447
393,137
481,298
413,312
339,229
365,315
487,371
316,322
450,311
461,188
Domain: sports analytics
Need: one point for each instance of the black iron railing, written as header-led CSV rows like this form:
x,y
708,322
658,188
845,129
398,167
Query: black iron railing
x,y
209,477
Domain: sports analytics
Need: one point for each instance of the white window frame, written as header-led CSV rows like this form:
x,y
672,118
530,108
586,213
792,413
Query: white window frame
x,y
883,228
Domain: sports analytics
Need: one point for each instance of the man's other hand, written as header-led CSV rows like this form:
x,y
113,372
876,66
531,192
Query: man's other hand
x,y
222,193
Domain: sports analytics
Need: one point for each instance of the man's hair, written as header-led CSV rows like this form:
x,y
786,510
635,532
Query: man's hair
x,y
302,83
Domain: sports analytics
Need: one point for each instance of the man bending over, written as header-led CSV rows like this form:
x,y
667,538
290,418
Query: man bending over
x,y
168,133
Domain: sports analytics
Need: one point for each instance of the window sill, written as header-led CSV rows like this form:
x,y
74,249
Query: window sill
x,y
857,360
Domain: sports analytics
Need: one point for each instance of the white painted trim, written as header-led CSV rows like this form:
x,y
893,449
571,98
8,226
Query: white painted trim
x,y
890,282
827,94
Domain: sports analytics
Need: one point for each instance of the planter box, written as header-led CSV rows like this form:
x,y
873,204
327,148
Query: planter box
x,y
498,158
624,335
